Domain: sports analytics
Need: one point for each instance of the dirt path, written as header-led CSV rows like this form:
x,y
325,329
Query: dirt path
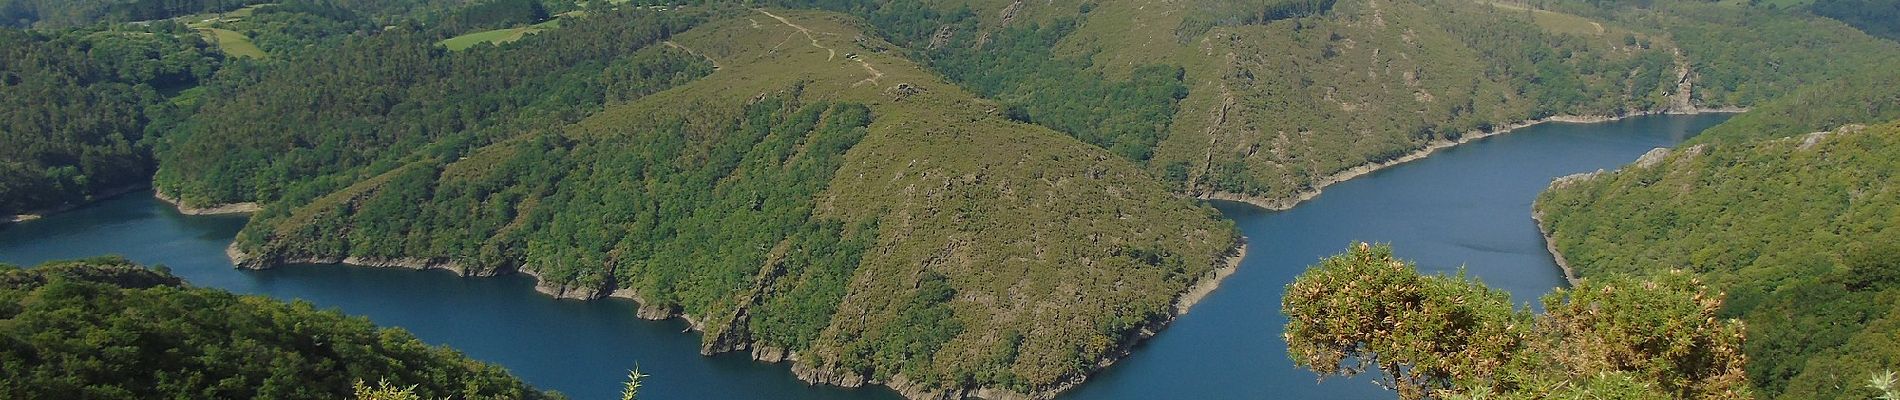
x,y
690,50
830,54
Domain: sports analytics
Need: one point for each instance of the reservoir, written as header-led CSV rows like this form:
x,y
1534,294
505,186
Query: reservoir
x,y
1464,207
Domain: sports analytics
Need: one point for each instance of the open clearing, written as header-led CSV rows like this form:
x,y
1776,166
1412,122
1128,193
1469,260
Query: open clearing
x,y
498,36
234,44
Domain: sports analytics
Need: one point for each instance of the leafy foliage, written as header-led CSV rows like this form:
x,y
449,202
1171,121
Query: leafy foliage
x,y
1373,81
1858,97
78,108
1446,337
108,329
1798,231
778,195
1876,17
70,13
298,128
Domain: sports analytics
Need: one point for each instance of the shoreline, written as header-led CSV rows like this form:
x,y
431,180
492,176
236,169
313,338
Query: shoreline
x,y
1550,245
1319,186
216,209
1648,159
1226,265
1543,228
96,197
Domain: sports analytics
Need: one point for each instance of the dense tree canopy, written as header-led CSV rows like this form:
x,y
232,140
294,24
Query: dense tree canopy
x,y
305,126
760,200
78,108
1798,231
108,329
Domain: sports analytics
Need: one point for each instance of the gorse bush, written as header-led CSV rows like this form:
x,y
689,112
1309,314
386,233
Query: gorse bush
x,y
1798,232
1448,337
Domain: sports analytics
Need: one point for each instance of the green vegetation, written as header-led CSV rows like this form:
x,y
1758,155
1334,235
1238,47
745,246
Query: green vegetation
x,y
1001,212
105,328
1798,231
1447,337
1876,17
259,136
497,36
1860,97
632,390
1266,98
233,44
796,183
79,108
73,13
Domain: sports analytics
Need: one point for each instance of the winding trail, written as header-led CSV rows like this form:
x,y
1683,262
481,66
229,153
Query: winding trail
x,y
830,54
690,50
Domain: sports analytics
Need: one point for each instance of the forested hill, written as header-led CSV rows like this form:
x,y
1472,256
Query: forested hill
x,y
1799,232
1270,99
815,172
80,108
108,329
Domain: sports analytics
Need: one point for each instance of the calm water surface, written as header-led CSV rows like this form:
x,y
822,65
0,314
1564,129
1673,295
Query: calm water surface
x,y
1467,206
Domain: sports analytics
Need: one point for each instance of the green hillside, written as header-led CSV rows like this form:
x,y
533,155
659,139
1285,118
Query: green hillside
x,y
109,329
497,36
827,176
232,43
79,109
260,136
1799,232
1268,100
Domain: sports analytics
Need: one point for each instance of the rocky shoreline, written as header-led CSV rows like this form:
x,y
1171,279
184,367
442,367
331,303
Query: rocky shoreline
x,y
217,209
1319,186
1194,293
243,260
1202,286
1550,244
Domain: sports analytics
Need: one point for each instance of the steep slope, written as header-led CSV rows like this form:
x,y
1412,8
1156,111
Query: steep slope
x,y
79,109
818,198
1269,101
1302,103
1798,231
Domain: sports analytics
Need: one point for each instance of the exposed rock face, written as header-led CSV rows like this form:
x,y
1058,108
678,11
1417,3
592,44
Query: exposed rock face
x,y
1652,157
240,259
215,209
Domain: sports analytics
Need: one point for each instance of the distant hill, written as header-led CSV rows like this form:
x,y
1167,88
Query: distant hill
x,y
1799,232
1269,100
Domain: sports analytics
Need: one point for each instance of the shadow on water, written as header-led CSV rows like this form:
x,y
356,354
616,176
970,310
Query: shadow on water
x,y
1466,207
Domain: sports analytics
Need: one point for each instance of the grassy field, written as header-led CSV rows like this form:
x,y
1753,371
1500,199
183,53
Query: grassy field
x,y
498,36
233,43
1556,22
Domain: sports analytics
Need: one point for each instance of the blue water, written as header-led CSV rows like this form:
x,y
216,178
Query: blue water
x,y
1468,206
